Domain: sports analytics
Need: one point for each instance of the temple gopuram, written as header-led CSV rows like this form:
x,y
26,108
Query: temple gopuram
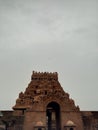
x,y
44,105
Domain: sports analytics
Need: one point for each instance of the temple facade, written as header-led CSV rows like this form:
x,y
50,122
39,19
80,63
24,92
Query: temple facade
x,y
46,106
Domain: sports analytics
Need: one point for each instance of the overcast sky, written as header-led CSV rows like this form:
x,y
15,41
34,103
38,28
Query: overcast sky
x,y
49,35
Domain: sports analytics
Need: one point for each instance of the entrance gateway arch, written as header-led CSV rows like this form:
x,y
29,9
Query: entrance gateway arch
x,y
44,105
53,116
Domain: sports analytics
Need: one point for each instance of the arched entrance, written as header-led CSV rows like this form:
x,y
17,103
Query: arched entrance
x,y
71,128
53,116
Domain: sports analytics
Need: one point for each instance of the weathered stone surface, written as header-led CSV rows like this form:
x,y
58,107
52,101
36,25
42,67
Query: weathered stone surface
x,y
45,104
44,88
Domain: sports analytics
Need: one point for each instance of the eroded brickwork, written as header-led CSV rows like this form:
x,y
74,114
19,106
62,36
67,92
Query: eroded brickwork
x,y
45,105
43,89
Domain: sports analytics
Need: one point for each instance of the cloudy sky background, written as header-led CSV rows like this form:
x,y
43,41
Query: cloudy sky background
x,y
49,35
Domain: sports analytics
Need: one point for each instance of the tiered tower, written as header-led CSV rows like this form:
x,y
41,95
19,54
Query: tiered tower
x,y
44,87
45,101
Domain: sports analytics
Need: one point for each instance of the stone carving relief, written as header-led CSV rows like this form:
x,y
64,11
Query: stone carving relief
x,y
44,87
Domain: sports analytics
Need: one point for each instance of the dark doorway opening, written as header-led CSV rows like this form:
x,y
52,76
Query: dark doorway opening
x,y
71,128
53,116
39,129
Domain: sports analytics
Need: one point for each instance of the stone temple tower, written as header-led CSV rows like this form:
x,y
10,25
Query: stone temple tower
x,y
45,105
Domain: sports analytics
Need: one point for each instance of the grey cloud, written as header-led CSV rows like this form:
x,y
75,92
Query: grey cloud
x,y
49,36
